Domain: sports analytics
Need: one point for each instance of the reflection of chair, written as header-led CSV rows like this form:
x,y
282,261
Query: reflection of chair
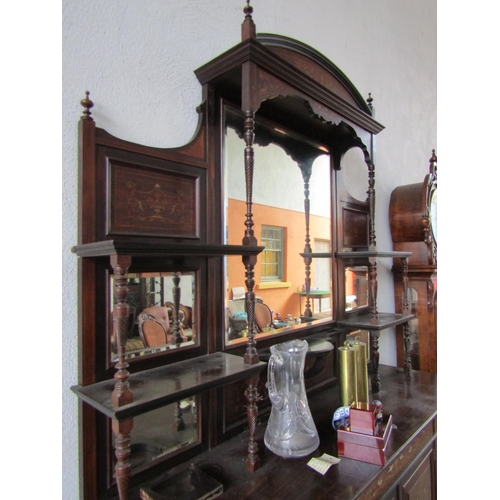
x,y
263,316
238,321
185,313
152,331
160,315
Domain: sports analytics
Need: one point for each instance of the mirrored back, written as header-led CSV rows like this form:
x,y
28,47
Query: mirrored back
x,y
155,325
292,213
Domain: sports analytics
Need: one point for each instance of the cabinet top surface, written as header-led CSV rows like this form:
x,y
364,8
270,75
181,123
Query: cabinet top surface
x,y
412,404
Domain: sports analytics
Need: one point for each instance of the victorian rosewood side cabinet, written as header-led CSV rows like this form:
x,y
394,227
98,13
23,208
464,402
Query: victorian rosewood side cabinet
x,y
170,405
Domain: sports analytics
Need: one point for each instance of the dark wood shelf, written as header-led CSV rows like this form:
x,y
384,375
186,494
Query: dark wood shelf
x,y
385,320
167,384
372,253
152,247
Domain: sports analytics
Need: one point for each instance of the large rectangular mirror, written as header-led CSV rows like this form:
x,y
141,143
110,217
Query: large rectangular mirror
x,y
292,212
154,323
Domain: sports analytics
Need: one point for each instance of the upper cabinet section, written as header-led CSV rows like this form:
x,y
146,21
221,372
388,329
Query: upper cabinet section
x,y
297,80
289,82
129,190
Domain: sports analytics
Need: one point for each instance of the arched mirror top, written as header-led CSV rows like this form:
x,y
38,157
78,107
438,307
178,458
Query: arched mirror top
x,y
355,173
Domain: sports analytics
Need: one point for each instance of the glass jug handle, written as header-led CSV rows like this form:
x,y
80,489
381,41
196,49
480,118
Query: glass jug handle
x,y
275,364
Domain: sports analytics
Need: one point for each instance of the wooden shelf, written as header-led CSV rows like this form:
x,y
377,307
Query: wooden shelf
x,y
385,320
317,255
158,247
372,253
161,386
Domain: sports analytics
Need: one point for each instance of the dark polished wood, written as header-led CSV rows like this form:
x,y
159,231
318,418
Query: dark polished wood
x,y
411,456
423,348
410,217
150,209
167,384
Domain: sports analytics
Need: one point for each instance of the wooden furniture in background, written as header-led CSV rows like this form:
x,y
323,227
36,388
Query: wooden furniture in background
x,y
413,222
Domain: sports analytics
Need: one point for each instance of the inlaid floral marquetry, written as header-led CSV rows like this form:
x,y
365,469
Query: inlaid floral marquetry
x,y
153,202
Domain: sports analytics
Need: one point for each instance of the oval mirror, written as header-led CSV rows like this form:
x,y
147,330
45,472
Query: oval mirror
x,y
355,173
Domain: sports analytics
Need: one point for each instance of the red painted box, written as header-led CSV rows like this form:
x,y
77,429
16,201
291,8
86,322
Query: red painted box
x,y
362,417
365,448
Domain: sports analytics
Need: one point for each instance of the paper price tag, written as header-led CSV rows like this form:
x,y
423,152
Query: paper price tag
x,y
323,463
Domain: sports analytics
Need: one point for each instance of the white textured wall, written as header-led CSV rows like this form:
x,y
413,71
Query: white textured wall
x,y
137,59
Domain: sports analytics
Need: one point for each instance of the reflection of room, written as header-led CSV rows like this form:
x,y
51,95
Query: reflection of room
x,y
279,206
163,431
155,324
356,285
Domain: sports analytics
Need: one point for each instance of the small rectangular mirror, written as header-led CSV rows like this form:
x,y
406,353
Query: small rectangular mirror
x,y
356,287
154,325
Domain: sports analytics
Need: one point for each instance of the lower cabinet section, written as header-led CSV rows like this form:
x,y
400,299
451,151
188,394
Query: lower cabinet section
x,y
409,473
419,481
421,484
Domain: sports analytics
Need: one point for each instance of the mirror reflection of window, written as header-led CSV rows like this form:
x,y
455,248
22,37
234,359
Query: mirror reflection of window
x,y
272,257
355,174
323,274
153,326
356,287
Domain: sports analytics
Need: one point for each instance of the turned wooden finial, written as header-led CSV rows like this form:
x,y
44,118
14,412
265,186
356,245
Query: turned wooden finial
x,y
370,101
248,26
87,104
433,162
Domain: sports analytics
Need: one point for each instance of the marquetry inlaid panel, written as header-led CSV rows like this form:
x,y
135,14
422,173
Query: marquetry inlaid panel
x,y
152,201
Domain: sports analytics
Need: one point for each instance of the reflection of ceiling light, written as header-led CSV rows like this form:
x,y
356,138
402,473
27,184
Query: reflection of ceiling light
x,y
280,131
323,149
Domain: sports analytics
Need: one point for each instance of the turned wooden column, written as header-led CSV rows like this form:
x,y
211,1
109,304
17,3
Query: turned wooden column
x,y
306,169
373,288
121,394
252,395
249,261
375,356
176,294
406,326
251,355
249,105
